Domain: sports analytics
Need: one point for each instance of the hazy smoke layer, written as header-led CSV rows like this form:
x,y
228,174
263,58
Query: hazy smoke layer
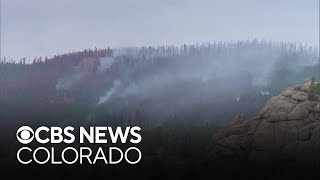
x,y
211,79
227,65
105,63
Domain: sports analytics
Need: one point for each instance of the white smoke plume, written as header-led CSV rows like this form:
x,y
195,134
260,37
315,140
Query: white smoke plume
x,y
68,81
82,70
110,92
105,63
265,93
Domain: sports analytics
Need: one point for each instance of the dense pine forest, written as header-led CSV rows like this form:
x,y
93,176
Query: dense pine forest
x,y
179,95
210,81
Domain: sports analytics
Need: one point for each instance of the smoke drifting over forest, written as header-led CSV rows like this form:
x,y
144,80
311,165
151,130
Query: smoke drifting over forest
x,y
198,84
166,81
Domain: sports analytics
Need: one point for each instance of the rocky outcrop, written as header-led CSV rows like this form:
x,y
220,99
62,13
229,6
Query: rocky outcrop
x,y
287,128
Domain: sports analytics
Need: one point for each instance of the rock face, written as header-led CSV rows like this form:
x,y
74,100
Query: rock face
x,y
287,128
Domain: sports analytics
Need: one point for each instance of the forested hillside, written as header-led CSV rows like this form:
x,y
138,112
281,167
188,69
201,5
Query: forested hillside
x,y
201,84
179,96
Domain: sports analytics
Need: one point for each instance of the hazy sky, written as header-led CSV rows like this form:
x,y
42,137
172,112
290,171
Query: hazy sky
x,y
48,27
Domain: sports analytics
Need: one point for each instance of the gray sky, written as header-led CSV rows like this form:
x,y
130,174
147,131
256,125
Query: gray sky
x,y
48,27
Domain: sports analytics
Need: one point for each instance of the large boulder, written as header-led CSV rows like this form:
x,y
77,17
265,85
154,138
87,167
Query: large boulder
x,y
286,128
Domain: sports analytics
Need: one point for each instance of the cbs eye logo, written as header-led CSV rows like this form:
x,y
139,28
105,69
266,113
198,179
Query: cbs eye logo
x,y
25,134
